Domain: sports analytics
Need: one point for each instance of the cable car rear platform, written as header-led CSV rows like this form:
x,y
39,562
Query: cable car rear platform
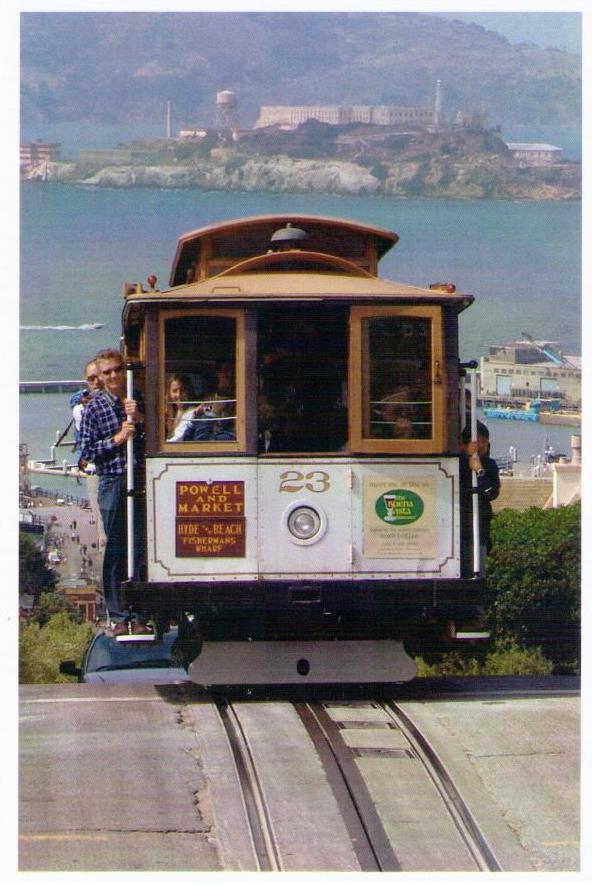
x,y
446,609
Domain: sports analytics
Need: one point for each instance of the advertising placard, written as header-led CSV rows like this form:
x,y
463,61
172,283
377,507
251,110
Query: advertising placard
x,y
210,519
400,518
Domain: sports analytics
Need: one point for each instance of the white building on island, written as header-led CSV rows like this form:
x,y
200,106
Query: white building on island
x,y
532,154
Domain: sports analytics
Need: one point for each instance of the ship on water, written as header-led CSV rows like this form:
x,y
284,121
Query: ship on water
x,y
531,380
530,411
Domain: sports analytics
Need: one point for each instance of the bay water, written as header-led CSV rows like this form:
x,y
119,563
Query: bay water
x,y
521,260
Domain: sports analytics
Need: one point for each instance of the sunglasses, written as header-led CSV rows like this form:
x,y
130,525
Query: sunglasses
x,y
112,370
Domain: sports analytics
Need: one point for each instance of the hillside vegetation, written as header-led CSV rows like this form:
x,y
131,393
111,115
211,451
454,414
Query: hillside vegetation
x,y
123,67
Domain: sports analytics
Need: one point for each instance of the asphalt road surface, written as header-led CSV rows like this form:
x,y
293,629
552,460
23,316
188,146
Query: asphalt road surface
x,y
135,777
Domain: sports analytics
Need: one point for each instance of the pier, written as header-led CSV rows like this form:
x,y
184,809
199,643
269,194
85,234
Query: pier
x,y
50,387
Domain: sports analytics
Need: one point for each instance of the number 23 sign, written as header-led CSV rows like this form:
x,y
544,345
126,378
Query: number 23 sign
x,y
314,481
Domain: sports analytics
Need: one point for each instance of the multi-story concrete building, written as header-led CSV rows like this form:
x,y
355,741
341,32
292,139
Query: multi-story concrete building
x,y
291,116
520,371
35,153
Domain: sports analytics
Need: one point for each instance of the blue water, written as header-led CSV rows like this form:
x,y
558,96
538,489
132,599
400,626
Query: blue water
x,y
521,260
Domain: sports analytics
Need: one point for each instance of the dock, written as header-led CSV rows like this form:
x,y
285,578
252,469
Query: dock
x,y
50,387
52,468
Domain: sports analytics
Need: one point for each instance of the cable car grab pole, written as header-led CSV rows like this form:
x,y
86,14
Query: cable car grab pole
x,y
475,481
130,484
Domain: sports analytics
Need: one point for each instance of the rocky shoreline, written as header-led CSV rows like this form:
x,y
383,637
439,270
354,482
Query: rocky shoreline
x,y
479,178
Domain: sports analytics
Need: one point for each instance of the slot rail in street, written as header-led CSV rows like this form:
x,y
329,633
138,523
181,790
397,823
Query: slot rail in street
x,y
264,843
375,849
455,805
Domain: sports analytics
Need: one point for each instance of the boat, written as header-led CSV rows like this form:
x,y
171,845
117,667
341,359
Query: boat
x,y
51,465
86,327
531,411
518,413
44,466
522,414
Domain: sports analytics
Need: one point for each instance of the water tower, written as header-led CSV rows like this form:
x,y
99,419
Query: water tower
x,y
226,110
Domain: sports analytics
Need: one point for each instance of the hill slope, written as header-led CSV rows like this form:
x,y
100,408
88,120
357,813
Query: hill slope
x,y
122,67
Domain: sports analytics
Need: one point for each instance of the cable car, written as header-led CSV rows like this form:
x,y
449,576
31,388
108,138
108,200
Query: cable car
x,y
302,498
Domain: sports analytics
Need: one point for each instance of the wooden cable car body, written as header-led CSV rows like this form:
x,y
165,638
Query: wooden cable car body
x,y
313,493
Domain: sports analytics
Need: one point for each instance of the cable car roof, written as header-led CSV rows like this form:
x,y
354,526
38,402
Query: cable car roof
x,y
335,285
285,258
203,252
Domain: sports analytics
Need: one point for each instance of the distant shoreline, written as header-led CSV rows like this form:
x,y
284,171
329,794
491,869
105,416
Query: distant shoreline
x,y
433,178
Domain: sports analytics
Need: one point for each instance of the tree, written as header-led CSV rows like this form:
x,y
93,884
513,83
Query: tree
x,y
34,576
51,604
533,580
42,648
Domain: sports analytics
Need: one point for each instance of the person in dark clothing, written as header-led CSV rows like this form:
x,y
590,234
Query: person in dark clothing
x,y
475,459
108,421
81,398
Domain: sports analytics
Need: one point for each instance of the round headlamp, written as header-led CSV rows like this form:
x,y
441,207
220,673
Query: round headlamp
x,y
304,523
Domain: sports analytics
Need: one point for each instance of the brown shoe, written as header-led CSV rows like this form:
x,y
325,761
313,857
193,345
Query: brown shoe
x,y
120,628
139,627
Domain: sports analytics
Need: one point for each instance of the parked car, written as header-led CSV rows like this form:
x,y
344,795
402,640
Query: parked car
x,y
108,660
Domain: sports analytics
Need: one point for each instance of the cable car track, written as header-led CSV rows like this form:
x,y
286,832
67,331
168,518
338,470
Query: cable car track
x,y
371,843
457,809
369,840
375,843
264,843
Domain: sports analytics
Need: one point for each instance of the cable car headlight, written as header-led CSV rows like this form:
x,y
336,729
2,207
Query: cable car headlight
x,y
304,523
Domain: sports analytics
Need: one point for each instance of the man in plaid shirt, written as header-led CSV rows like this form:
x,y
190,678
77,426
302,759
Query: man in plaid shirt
x,y
108,422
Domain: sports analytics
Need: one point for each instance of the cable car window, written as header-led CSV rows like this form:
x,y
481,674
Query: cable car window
x,y
397,379
200,379
302,380
396,388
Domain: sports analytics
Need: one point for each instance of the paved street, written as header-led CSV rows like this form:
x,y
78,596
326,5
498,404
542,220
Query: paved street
x,y
73,528
126,777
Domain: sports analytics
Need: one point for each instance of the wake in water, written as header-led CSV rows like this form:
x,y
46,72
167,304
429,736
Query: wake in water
x,y
84,326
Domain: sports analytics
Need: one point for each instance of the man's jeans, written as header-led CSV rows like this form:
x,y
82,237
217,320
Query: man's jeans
x,y
112,504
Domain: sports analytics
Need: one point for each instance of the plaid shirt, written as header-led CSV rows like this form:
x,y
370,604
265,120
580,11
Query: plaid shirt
x,y
101,419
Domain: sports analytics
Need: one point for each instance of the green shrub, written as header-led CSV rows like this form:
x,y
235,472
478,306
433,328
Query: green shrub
x,y
533,580
450,664
51,603
506,659
42,648
519,662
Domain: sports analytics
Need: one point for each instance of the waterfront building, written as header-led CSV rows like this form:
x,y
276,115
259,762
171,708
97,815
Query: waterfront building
x,y
531,154
291,116
526,369
37,153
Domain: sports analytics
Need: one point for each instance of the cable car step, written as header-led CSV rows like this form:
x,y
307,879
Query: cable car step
x,y
278,662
